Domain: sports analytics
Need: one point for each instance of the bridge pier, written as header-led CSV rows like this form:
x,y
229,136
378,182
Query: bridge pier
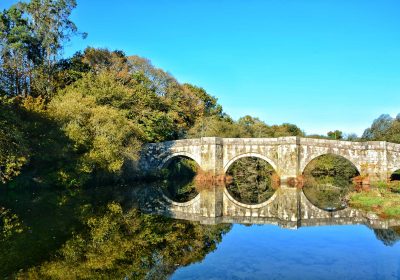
x,y
211,201
211,156
288,155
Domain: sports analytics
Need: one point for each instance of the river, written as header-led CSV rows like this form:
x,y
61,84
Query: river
x,y
137,232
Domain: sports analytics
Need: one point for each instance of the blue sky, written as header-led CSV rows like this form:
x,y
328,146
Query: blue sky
x,y
321,64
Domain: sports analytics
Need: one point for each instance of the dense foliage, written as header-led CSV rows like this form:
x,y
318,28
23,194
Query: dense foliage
x,y
384,128
246,126
13,147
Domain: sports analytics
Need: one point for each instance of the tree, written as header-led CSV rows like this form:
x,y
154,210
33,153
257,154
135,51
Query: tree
x,y
31,39
14,151
378,128
384,128
52,27
90,113
214,127
352,137
286,129
337,134
18,52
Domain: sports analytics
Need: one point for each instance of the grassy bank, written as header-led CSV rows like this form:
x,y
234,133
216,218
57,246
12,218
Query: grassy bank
x,y
382,198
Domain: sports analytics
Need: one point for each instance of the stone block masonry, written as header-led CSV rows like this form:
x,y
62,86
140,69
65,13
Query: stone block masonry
x,y
289,156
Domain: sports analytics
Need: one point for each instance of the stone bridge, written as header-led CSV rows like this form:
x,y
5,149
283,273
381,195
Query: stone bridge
x,y
288,207
289,156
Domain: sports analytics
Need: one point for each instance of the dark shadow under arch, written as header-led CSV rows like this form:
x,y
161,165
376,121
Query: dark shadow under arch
x,y
395,176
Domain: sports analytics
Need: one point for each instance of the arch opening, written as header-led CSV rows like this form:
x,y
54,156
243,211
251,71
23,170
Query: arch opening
x,y
252,180
233,160
395,176
327,180
178,174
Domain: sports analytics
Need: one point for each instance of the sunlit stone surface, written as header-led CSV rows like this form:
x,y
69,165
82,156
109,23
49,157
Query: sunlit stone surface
x,y
287,155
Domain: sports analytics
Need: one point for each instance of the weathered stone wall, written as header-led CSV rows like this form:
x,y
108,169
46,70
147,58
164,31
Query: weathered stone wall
x,y
281,153
289,156
393,157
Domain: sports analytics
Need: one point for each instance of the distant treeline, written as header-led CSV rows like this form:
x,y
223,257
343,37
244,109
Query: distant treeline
x,y
68,121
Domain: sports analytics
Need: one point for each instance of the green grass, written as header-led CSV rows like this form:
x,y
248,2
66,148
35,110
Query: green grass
x,y
366,200
383,199
393,211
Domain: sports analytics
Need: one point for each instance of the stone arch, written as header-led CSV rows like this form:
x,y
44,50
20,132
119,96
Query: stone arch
x,y
333,204
166,160
235,158
307,162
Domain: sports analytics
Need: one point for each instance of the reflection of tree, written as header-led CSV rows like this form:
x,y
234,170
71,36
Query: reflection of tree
x,y
389,236
252,180
179,185
180,189
130,245
328,180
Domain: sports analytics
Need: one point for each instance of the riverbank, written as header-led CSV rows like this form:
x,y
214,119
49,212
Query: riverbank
x,y
383,199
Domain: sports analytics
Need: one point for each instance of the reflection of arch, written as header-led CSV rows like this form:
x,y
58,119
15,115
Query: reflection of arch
x,y
250,206
314,211
165,161
229,163
349,159
182,204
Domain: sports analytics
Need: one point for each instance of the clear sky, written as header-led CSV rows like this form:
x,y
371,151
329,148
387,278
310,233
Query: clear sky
x,y
320,64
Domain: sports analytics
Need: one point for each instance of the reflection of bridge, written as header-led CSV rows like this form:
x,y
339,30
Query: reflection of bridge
x,y
288,207
287,155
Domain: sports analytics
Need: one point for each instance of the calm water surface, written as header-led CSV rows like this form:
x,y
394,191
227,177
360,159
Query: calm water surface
x,y
325,252
114,233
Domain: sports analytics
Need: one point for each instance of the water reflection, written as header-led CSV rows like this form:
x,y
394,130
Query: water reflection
x,y
328,180
107,239
389,236
183,228
179,175
268,252
111,237
328,193
252,180
179,190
